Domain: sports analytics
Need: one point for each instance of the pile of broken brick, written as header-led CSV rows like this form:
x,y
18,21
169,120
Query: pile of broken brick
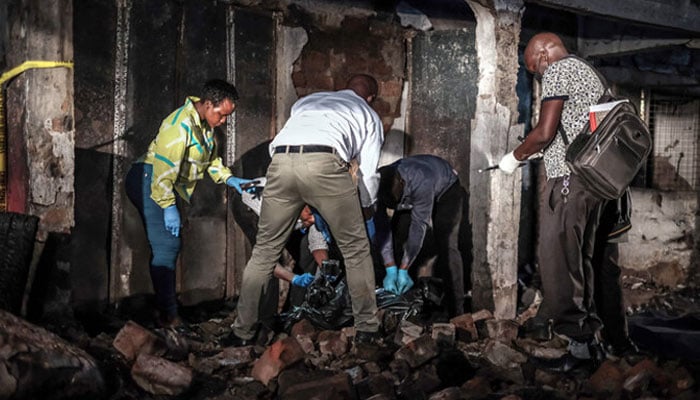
x,y
472,356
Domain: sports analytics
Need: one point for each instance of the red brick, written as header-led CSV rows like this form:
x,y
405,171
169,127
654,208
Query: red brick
x,y
304,327
465,328
299,79
477,387
607,380
332,342
418,351
278,356
391,88
320,384
318,81
134,339
315,62
159,376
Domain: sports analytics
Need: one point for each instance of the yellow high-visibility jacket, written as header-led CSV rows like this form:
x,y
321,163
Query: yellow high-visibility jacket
x,y
183,149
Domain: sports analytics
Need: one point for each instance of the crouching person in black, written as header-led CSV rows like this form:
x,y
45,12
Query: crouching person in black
x,y
425,193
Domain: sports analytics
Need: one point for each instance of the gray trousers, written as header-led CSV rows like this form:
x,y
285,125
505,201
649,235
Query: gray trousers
x,y
565,251
321,180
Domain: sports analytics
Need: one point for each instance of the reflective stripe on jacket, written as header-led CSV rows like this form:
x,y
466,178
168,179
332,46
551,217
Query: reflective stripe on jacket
x,y
183,149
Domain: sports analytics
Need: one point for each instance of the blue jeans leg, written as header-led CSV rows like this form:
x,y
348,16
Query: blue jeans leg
x,y
164,246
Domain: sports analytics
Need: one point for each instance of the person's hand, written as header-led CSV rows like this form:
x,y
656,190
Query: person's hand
x,y
302,280
236,183
403,282
172,220
390,280
369,224
508,163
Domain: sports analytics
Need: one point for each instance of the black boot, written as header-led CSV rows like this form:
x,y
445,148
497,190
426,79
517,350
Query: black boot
x,y
536,329
233,340
163,280
624,348
586,355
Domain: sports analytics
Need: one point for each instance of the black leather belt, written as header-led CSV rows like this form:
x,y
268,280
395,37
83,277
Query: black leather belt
x,y
305,148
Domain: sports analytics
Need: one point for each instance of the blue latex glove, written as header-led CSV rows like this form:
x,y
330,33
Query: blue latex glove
x,y
404,282
322,226
369,224
236,183
303,280
390,280
172,220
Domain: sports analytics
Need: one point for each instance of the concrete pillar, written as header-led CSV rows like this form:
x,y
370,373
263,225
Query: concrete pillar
x,y
494,196
40,112
290,41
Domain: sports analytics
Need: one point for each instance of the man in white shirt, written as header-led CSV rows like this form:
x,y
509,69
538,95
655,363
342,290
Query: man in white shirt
x,y
310,157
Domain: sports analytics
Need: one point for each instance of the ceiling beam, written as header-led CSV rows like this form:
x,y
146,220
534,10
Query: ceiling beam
x,y
675,14
623,45
646,79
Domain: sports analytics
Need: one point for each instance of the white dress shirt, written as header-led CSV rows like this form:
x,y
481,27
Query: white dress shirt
x,y
344,121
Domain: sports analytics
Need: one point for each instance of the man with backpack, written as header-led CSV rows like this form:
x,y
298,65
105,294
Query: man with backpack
x,y
569,219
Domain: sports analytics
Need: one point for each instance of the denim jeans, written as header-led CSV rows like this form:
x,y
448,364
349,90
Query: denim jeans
x,y
165,247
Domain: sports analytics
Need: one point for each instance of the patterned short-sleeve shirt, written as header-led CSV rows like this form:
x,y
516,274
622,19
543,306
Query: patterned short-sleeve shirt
x,y
574,81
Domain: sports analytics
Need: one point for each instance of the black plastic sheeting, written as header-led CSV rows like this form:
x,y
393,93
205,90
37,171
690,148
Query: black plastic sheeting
x,y
17,235
671,336
328,305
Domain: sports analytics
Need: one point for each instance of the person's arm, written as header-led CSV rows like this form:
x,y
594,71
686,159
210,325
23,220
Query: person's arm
x,y
218,172
384,238
282,273
545,130
384,241
302,280
169,151
318,246
420,218
368,160
320,256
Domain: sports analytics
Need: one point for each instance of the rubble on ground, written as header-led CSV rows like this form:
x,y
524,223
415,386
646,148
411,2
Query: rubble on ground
x,y
472,356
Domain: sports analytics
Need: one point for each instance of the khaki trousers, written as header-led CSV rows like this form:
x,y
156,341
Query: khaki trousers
x,y
321,180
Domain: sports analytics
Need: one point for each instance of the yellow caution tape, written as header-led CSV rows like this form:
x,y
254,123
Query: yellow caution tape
x,y
3,148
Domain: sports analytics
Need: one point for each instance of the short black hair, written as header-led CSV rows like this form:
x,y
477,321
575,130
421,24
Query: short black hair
x,y
217,90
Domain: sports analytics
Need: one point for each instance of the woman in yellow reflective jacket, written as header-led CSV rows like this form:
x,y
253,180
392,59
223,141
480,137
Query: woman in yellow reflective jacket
x,y
176,159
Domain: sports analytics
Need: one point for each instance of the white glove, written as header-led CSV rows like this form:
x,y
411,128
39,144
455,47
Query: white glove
x,y
508,163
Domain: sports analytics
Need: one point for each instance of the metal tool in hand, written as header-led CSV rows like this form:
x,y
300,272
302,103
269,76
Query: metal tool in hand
x,y
492,167
535,156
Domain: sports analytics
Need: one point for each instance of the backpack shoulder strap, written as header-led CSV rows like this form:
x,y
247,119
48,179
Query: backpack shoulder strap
x,y
560,129
598,74
606,96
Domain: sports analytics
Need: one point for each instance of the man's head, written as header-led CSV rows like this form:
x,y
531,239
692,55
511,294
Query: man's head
x,y
543,50
306,217
218,100
364,85
390,186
